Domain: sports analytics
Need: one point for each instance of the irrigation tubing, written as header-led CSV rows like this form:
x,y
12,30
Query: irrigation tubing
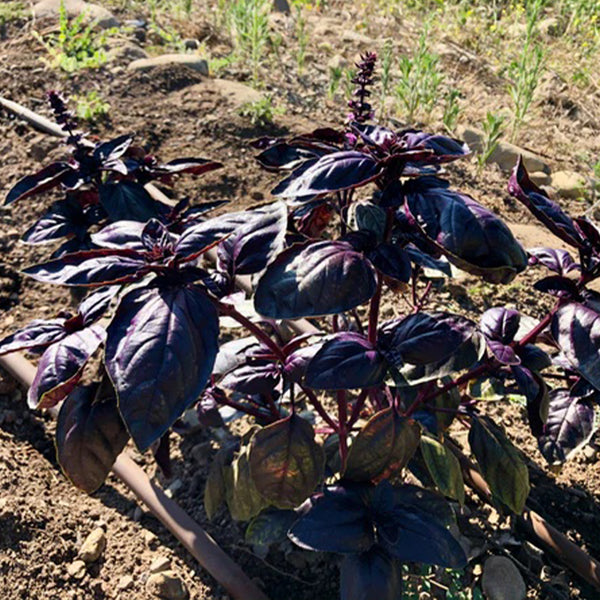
x,y
199,543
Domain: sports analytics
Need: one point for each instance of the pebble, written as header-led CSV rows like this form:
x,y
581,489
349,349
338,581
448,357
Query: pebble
x,y
93,546
502,580
125,583
167,585
160,564
568,184
49,9
138,513
150,537
76,569
189,60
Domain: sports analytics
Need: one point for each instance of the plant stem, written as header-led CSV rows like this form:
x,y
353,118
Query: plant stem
x,y
374,310
421,302
358,406
312,398
343,419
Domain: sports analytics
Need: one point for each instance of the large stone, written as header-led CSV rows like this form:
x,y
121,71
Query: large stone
x,y
568,184
126,52
506,154
501,580
282,6
189,60
93,546
50,9
167,585
237,93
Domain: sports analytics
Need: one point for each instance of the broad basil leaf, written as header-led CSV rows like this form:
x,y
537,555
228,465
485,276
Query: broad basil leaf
x,y
383,446
369,575
233,354
471,236
283,156
366,216
314,279
65,218
286,463
61,367
119,235
535,390
43,180
334,521
424,338
270,527
37,334
130,201
576,329
445,149
444,468
501,465
90,268
347,361
160,351
194,166
391,261
500,324
570,425
89,436
252,246
503,354
332,173
112,149
258,377
559,261
542,208
243,500
97,303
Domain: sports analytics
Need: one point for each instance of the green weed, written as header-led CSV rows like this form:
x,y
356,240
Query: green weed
x,y
493,127
91,107
451,110
260,112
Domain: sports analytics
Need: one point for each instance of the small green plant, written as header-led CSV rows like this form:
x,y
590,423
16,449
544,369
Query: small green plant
x,y
451,110
249,22
493,127
11,11
76,45
387,59
526,70
168,36
302,37
91,107
420,80
335,77
260,112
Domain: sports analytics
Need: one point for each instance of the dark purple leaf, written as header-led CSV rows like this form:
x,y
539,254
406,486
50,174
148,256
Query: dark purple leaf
x,y
208,408
333,173
233,354
257,377
65,218
156,237
423,338
471,236
347,361
112,149
195,166
283,156
576,329
427,261
570,425
43,180
128,200
500,324
90,268
37,334
298,172
61,366
374,135
533,358
89,436
286,463
500,462
314,279
297,362
542,208
392,261
503,353
559,261
445,149
120,235
334,521
534,389
561,287
369,575
270,527
97,303
160,351
251,247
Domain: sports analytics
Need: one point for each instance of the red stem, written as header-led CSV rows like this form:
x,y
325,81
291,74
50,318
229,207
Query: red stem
x,y
374,310
319,407
343,421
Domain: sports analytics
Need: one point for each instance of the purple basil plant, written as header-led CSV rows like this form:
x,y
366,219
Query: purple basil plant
x,y
338,415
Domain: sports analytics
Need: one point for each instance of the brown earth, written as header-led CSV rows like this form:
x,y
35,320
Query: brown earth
x,y
176,112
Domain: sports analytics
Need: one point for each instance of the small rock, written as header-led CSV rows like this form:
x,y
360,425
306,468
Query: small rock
x,y
506,154
540,178
281,6
337,62
191,44
126,52
93,546
160,564
502,580
590,453
167,585
568,184
361,40
138,513
125,583
76,569
150,537
549,26
50,9
237,93
189,60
